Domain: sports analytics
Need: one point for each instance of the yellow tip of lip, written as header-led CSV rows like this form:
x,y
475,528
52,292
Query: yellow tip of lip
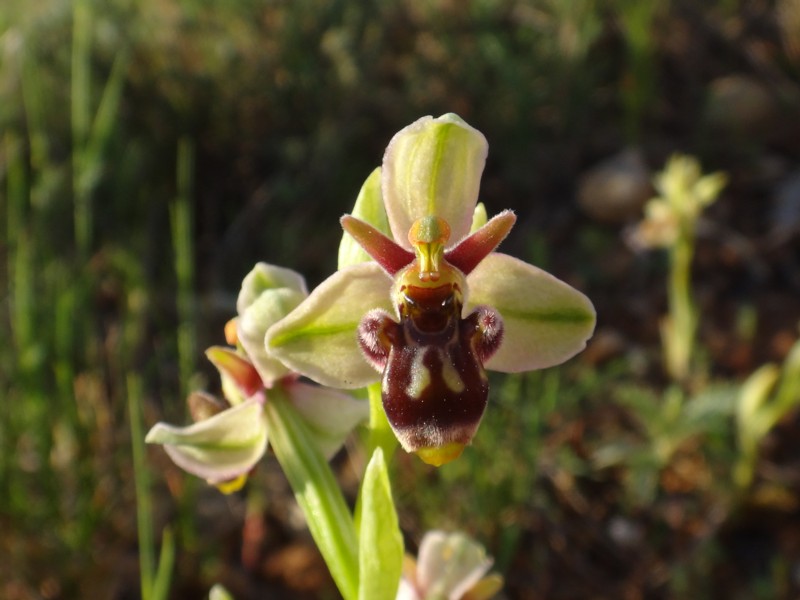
x,y
437,456
233,485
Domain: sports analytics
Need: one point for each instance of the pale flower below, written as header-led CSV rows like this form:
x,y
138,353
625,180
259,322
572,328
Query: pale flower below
x,y
451,566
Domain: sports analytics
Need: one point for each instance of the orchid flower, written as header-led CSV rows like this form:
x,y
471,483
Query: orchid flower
x,y
436,305
230,436
451,566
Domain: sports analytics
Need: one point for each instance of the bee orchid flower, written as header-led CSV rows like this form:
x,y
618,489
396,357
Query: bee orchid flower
x,y
230,435
435,306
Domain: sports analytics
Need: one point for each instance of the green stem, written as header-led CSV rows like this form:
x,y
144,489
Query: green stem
x,y
80,116
380,432
181,218
144,509
680,335
181,224
317,492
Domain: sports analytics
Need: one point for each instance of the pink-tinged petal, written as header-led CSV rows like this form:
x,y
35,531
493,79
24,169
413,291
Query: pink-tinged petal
x,y
391,257
545,320
220,448
433,167
473,249
318,338
237,368
330,415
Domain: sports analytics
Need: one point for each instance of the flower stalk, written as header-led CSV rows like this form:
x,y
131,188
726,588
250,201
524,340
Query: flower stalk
x,y
679,329
380,434
317,493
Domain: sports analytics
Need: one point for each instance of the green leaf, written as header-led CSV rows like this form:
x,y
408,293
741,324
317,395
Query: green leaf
x,y
545,320
316,491
380,557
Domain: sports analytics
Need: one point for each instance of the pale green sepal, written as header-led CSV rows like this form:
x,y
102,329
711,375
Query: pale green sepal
x,y
368,208
545,320
317,492
264,276
433,167
269,308
220,448
318,338
380,556
330,415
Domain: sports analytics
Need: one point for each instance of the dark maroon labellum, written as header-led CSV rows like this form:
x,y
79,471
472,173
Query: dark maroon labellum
x,y
434,385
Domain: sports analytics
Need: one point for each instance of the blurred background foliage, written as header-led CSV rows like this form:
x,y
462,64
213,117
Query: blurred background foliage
x,y
152,150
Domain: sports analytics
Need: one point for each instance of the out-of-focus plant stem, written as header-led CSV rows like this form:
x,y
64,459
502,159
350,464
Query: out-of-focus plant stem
x,y
155,579
680,327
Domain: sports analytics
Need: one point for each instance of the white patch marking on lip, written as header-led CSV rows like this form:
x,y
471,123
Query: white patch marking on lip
x,y
420,376
452,378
